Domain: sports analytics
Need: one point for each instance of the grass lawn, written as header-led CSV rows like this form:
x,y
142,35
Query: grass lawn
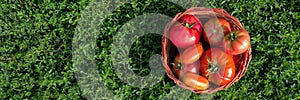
x,y
37,61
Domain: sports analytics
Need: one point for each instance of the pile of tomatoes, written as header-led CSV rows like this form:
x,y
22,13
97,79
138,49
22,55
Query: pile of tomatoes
x,y
198,67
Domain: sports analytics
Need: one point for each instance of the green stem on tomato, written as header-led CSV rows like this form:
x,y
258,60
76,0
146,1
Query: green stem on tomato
x,y
188,25
212,66
178,65
232,36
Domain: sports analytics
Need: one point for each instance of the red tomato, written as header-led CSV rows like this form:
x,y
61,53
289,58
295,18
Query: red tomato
x,y
237,42
177,71
179,68
215,29
192,54
195,81
176,66
183,37
192,21
187,32
217,66
194,68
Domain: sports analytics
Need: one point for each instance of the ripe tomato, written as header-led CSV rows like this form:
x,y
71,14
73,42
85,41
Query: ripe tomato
x,y
192,22
193,67
217,66
195,81
183,37
192,54
177,71
187,32
215,29
179,68
237,42
176,66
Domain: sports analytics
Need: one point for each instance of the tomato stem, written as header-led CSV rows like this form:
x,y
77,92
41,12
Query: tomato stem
x,y
188,25
178,65
213,66
232,36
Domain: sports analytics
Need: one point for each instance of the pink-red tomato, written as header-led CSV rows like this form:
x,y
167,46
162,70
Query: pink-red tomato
x,y
192,54
179,68
192,22
193,67
186,32
183,37
237,42
214,31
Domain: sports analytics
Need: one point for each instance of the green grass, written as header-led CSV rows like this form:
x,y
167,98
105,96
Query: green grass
x,y
36,49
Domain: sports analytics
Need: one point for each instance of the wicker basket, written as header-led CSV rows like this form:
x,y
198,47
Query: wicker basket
x,y
169,51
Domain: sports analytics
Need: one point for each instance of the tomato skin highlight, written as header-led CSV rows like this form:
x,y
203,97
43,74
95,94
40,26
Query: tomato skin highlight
x,y
237,42
193,67
192,54
214,31
183,37
217,66
195,81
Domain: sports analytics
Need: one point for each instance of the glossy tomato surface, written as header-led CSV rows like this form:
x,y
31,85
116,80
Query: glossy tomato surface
x,y
195,81
193,67
183,37
179,68
192,54
237,42
217,66
214,31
